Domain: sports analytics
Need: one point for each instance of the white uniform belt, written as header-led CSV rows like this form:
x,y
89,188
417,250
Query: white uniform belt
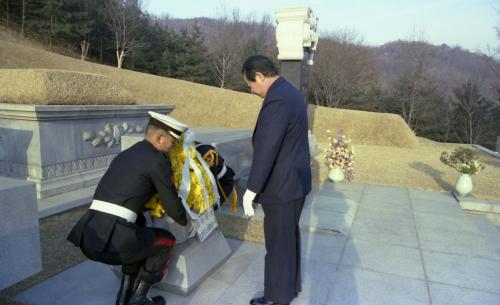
x,y
113,209
222,172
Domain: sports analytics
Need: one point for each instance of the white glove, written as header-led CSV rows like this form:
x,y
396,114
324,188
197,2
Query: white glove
x,y
247,202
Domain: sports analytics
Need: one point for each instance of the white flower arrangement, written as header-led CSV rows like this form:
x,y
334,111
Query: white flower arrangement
x,y
463,160
340,154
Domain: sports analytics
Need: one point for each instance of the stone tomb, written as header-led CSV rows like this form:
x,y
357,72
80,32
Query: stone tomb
x,y
65,149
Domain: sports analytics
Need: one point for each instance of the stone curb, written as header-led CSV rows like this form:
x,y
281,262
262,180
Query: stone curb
x,y
472,204
486,150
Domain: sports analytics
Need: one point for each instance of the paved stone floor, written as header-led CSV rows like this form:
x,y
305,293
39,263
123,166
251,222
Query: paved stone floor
x,y
361,245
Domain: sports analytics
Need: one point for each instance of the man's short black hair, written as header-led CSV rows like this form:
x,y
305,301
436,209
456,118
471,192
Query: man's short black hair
x,y
258,63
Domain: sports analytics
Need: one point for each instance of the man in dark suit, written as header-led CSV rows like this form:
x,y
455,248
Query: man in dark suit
x,y
112,231
280,177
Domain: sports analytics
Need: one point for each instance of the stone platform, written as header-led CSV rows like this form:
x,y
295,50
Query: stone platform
x,y
403,246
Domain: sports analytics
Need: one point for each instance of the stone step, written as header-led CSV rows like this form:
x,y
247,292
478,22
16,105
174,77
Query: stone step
x,y
63,202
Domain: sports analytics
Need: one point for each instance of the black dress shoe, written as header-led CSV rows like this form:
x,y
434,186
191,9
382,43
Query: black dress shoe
x,y
263,301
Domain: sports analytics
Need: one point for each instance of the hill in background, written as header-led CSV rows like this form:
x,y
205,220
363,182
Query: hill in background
x,y
450,66
387,151
201,105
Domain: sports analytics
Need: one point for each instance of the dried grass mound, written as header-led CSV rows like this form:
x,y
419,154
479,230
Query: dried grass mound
x,y
363,127
60,87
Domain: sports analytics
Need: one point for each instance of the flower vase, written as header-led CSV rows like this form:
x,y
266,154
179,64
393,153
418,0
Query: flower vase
x,y
463,186
336,174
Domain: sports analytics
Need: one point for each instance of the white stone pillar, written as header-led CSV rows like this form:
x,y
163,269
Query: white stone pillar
x,y
296,33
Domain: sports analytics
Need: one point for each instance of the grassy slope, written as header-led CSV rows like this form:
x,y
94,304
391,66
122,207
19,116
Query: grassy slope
x,y
418,168
200,105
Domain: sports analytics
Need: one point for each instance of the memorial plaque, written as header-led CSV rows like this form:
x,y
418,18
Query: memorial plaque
x,y
206,224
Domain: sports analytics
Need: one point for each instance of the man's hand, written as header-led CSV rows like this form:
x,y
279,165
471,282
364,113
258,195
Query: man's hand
x,y
248,198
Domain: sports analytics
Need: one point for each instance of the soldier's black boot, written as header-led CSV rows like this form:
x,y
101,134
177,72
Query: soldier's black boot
x,y
125,289
140,295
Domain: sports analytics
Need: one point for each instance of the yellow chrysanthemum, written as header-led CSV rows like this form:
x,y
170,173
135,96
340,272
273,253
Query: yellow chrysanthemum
x,y
195,200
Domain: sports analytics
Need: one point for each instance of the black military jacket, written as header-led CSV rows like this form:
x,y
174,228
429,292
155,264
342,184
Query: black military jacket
x,y
132,178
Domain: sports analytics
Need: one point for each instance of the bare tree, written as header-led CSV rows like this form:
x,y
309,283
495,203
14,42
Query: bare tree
x,y
492,55
447,118
86,24
23,16
472,113
344,69
123,18
262,32
223,44
231,38
84,47
412,80
7,12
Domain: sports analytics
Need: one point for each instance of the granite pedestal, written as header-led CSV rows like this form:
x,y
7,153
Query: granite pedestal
x,y
193,261
20,253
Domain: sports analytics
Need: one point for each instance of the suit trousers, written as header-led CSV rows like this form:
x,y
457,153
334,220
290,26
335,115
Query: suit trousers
x,y
282,282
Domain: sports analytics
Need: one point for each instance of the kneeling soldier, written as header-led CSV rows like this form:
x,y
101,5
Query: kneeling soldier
x,y
111,231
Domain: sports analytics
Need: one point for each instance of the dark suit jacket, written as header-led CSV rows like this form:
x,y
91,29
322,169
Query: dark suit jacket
x,y
281,170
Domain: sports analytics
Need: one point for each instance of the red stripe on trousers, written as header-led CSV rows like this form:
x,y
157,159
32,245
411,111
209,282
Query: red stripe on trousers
x,y
163,241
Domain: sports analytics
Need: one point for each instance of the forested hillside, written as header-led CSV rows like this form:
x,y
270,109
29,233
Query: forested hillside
x,y
442,92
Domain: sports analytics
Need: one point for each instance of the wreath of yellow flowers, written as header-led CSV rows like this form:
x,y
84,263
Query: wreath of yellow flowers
x,y
195,200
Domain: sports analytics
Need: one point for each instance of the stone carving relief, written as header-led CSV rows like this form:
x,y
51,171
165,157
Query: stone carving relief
x,y
110,135
55,170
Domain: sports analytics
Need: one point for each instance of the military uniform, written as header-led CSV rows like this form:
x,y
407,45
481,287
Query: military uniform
x,y
110,233
223,173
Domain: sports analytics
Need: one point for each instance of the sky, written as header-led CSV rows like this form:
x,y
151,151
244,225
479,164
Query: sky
x,y
469,24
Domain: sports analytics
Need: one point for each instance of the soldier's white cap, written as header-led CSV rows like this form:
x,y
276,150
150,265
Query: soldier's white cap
x,y
174,127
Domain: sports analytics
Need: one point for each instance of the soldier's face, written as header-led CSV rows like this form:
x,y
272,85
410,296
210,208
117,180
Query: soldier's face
x,y
257,87
165,142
